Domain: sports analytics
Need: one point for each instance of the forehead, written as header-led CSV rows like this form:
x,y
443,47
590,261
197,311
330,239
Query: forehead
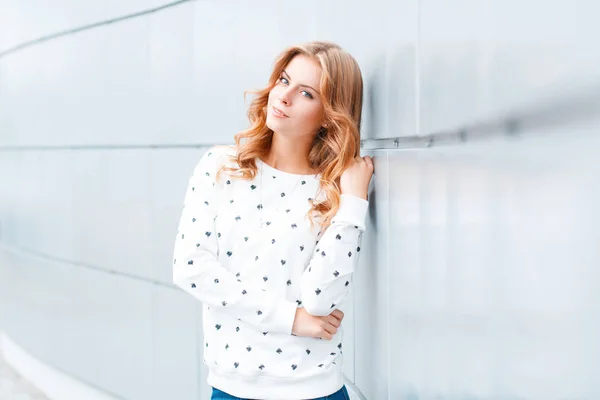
x,y
304,70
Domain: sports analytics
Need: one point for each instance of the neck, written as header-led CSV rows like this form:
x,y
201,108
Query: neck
x,y
289,155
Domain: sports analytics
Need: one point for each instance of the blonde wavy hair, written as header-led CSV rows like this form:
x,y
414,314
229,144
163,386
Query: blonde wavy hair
x,y
334,148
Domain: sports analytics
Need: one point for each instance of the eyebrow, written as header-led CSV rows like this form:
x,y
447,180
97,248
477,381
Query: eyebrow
x,y
290,78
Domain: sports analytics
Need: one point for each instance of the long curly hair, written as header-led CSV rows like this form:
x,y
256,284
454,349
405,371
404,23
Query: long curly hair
x,y
333,148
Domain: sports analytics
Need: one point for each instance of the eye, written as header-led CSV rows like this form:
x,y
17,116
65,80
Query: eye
x,y
307,94
283,80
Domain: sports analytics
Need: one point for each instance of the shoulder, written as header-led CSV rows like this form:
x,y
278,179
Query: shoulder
x,y
213,159
216,156
223,149
220,151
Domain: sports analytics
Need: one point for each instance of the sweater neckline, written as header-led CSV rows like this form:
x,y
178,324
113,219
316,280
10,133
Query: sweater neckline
x,y
281,173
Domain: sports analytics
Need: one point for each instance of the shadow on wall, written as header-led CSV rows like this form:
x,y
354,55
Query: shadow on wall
x,y
390,92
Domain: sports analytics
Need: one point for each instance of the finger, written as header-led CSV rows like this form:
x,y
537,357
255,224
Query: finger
x,y
330,329
369,163
334,321
338,314
324,331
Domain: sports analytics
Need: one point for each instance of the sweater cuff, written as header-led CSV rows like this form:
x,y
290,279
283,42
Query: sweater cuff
x,y
352,211
284,315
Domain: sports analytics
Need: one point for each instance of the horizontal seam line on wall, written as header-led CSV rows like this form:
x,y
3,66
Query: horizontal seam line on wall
x,y
71,263
42,39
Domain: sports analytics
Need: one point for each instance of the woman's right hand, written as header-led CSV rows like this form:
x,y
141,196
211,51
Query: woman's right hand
x,y
308,325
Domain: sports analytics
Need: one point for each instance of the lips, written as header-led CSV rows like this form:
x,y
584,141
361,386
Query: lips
x,y
279,113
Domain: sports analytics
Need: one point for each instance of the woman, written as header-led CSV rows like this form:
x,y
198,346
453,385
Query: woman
x,y
270,232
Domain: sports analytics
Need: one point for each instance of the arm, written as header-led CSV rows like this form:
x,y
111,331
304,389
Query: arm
x,y
197,269
326,281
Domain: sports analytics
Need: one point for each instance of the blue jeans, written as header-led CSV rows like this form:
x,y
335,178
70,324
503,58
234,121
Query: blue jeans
x,y
341,394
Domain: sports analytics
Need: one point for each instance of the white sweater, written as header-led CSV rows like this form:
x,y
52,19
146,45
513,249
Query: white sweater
x,y
251,278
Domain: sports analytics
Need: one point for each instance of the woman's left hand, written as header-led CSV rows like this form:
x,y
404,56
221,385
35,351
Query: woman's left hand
x,y
356,178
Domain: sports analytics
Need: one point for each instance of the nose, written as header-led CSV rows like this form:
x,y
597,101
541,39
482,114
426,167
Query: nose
x,y
284,97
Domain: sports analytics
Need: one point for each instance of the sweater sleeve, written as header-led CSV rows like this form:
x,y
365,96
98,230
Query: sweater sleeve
x,y
197,269
327,279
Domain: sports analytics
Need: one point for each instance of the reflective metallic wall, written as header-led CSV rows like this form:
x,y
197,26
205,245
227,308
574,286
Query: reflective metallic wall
x,y
478,278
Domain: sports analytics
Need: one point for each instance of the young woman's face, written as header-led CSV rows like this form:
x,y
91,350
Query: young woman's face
x,y
295,108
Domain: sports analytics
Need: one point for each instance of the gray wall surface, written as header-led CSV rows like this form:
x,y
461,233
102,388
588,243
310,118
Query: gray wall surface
x,y
479,277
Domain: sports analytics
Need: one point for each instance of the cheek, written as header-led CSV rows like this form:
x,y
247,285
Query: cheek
x,y
273,94
314,114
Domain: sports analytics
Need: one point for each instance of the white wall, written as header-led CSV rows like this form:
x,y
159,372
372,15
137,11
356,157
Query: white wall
x,y
477,278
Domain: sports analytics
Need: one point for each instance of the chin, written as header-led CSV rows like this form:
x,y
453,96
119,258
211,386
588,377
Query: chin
x,y
272,125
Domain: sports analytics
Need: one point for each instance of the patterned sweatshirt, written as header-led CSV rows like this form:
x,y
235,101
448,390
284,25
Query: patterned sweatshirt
x,y
246,250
